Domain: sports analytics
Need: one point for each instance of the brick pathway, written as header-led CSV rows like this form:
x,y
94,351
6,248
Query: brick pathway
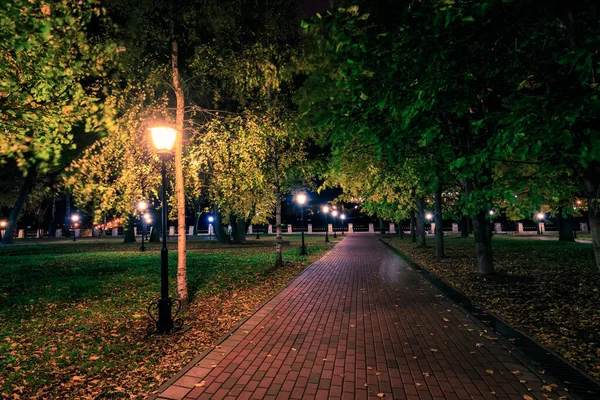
x,y
359,324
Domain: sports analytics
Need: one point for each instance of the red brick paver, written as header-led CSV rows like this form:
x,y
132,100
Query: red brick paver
x,y
360,324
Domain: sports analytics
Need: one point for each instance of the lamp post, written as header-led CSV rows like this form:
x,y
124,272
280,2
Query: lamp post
x,y
325,210
540,217
74,219
164,138
334,213
210,226
142,206
342,218
148,221
301,199
429,217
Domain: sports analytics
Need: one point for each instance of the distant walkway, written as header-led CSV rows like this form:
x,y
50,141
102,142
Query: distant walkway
x,y
359,324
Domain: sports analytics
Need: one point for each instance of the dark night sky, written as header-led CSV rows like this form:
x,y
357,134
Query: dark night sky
x,y
311,7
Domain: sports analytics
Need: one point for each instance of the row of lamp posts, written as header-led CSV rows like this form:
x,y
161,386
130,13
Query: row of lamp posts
x,y
301,199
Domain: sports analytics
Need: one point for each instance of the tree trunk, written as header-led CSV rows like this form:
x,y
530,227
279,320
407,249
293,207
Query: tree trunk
x,y
464,226
219,232
591,182
129,234
413,227
482,230
565,227
238,225
51,231
381,226
182,291
67,226
278,237
421,218
18,205
439,232
156,228
400,230
197,221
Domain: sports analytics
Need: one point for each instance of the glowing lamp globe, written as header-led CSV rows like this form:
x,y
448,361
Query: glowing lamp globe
x,y
428,216
142,205
492,212
163,138
74,217
325,209
2,224
343,216
301,198
541,216
334,213
211,219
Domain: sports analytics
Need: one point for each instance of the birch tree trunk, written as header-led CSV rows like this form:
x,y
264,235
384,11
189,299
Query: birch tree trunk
x,y
182,291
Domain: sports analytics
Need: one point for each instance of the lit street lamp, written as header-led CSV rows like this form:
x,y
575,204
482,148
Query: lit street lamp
x,y
343,217
325,210
429,216
540,217
2,228
210,226
142,206
148,221
301,199
334,213
164,138
74,219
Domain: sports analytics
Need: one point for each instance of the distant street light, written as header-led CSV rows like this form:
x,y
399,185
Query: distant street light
x,y
148,221
74,219
334,214
2,228
540,217
210,226
492,212
325,210
142,206
301,200
429,216
164,138
343,217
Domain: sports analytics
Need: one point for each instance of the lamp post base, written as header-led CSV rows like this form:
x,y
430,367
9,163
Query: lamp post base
x,y
166,322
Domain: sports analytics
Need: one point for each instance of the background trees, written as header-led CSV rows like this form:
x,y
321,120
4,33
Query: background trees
x,y
459,90
52,73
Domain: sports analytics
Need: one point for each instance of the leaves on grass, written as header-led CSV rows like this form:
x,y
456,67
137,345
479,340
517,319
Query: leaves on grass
x,y
74,321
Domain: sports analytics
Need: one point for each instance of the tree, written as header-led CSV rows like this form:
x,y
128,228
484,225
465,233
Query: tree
x,y
48,92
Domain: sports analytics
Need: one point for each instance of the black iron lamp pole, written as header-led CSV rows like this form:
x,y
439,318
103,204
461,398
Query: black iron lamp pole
x,y
333,214
303,248
143,248
167,321
326,230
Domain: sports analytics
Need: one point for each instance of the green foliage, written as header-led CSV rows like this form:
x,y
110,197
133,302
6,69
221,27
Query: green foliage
x,y
51,75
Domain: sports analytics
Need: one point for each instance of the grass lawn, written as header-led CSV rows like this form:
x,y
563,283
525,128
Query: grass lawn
x,y
73,315
548,289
